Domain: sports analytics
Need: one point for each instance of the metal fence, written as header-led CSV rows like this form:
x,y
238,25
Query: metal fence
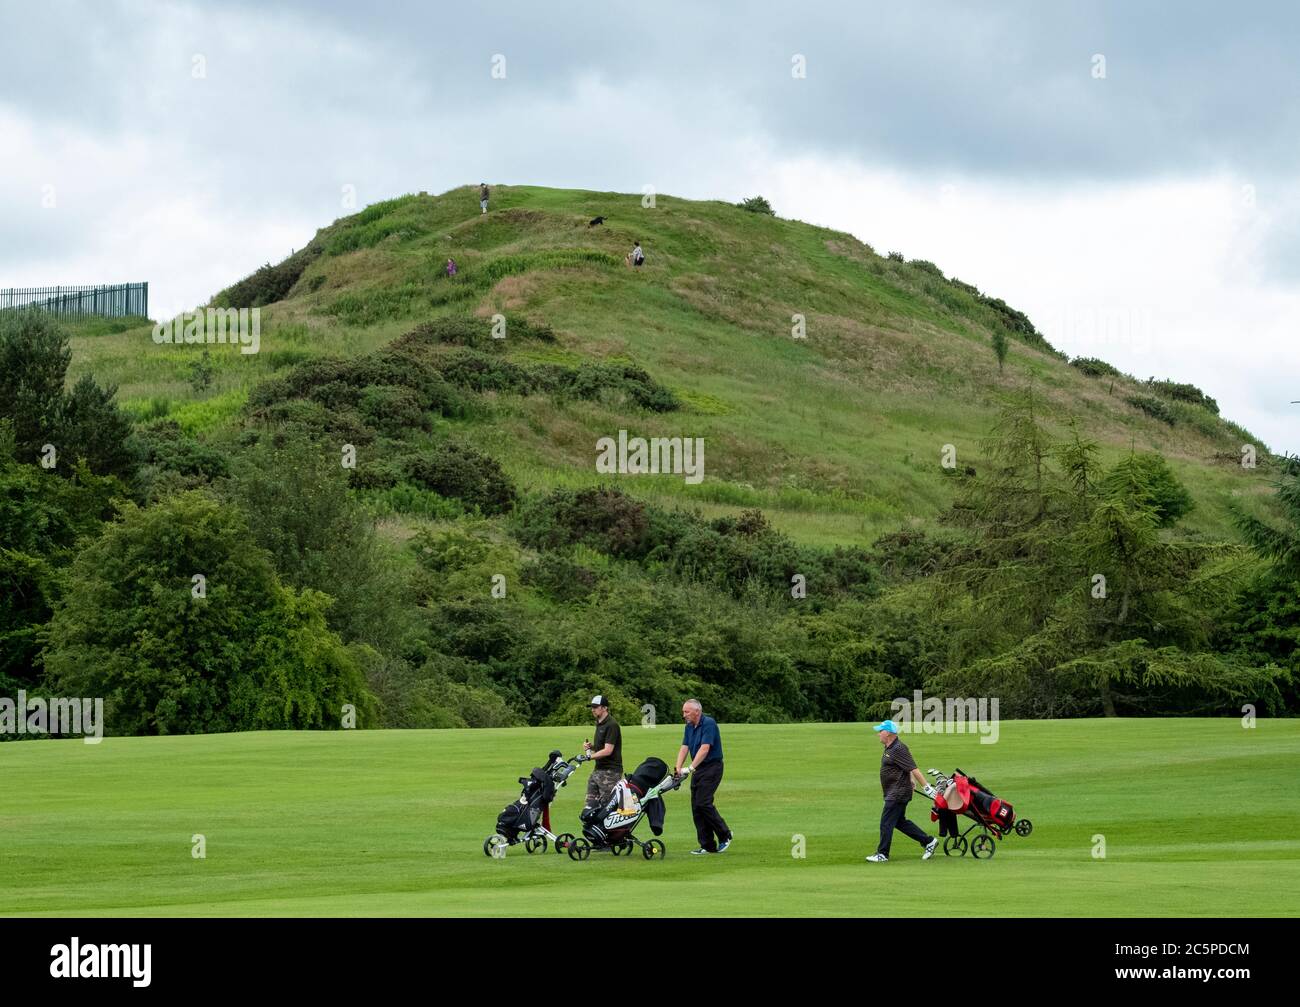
x,y
77,302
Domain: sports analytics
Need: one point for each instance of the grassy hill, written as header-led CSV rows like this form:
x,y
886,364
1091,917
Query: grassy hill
x,y
372,823
837,436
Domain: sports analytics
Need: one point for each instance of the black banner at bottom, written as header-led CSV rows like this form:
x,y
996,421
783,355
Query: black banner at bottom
x,y
1221,956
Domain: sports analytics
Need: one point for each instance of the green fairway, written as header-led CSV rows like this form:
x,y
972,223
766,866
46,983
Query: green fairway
x,y
373,823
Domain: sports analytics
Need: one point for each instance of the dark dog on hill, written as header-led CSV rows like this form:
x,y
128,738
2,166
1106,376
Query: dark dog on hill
x,y
597,222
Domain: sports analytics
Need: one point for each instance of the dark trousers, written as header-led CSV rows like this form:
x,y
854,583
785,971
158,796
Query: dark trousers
x,y
708,823
895,817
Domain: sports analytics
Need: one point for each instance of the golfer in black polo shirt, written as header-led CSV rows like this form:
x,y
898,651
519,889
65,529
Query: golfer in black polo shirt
x,y
897,771
607,751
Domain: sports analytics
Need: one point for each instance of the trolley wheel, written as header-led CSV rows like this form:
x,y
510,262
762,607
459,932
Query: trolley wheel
x,y
535,845
495,846
983,847
579,849
1024,827
563,841
618,849
653,849
954,846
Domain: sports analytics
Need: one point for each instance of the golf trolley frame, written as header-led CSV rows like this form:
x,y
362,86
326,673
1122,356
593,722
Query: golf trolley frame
x,y
539,838
580,847
983,846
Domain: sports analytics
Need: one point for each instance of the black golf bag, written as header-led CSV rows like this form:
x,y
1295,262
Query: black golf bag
x,y
523,815
613,822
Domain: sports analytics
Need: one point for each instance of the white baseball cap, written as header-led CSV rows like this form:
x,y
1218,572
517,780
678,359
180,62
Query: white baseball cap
x,y
599,701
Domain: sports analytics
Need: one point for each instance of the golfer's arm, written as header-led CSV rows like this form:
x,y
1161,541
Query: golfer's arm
x,y
919,777
681,757
607,750
701,754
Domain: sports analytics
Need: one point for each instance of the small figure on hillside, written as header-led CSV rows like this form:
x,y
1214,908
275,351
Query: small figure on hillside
x,y
451,267
483,195
636,257
596,222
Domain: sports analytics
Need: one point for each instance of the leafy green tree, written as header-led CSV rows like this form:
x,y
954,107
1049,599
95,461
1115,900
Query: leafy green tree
x,y
301,512
41,519
86,423
34,358
169,654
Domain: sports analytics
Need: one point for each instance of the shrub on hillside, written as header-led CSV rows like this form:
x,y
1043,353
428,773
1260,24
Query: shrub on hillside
x,y
476,333
1095,368
757,204
454,469
603,518
732,553
1016,321
1155,408
1183,393
269,283
560,577
925,266
170,460
392,410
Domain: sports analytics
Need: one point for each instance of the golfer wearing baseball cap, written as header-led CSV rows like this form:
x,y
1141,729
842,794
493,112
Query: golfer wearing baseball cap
x,y
897,771
607,751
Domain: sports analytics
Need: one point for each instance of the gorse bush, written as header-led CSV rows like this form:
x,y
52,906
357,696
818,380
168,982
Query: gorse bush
x,y
757,204
476,333
270,283
454,469
1183,393
170,460
736,554
1094,367
1155,408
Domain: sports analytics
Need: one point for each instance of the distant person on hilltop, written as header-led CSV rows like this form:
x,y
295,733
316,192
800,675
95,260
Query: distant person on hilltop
x,y
483,195
451,267
636,257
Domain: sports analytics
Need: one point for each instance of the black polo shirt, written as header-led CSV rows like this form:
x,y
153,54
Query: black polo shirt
x,y
608,733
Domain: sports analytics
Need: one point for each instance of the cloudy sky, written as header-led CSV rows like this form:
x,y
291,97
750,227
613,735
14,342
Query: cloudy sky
x,y
1125,173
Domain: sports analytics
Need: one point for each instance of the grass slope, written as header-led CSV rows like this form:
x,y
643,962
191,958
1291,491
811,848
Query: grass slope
x,y
392,822
838,435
